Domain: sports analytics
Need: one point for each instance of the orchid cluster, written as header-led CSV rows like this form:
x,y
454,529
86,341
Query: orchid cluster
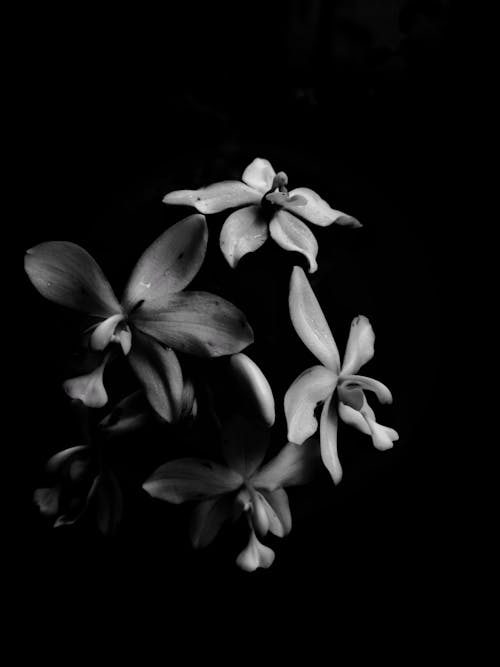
x,y
161,329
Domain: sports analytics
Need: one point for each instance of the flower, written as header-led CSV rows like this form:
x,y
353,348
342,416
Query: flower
x,y
318,384
155,316
268,209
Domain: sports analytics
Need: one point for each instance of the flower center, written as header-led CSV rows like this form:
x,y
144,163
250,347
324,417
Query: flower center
x,y
351,394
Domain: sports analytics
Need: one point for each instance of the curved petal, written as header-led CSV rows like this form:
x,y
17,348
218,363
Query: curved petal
x,y
55,462
169,264
128,415
244,444
328,440
259,514
244,231
278,511
259,175
309,321
312,386
255,555
215,198
254,387
66,274
354,417
292,234
191,479
294,465
160,375
360,345
380,390
196,323
316,210
104,332
383,437
207,519
89,388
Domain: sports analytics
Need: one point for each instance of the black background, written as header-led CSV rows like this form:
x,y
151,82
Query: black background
x,y
354,100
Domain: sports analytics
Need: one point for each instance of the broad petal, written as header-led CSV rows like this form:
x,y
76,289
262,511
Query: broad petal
x,y
360,345
89,388
312,386
66,274
160,375
278,510
215,198
255,555
244,231
254,387
328,440
380,390
292,234
316,210
259,175
244,444
169,264
128,415
196,323
309,321
191,479
294,465
207,519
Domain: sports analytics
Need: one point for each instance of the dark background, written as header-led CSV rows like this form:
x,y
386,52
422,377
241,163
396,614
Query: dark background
x,y
353,99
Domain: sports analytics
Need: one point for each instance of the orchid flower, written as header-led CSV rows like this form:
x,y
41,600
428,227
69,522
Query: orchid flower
x,y
318,384
155,316
268,209
244,484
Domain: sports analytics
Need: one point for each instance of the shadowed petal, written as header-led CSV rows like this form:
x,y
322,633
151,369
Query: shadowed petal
x,y
215,198
244,231
292,466
360,345
259,175
278,510
207,519
260,517
244,444
292,234
309,321
312,386
254,387
104,332
64,457
89,388
191,479
354,417
255,555
169,264
108,503
328,440
316,210
128,415
66,274
196,323
380,390
47,500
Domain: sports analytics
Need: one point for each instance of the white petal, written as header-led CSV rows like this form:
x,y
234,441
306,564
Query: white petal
x,y
312,386
89,389
292,234
244,231
354,417
259,175
328,440
103,333
317,211
292,466
382,436
260,518
360,345
309,321
254,387
278,512
255,555
380,390
215,198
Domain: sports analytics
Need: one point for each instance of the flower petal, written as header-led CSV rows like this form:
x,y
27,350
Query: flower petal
x,y
259,175
169,264
160,375
89,388
255,555
47,500
215,198
104,332
108,502
278,511
312,386
66,274
354,417
259,515
254,387
383,437
292,234
244,231
292,466
360,345
328,440
191,479
55,463
207,519
309,321
196,323
380,390
244,444
128,415
316,210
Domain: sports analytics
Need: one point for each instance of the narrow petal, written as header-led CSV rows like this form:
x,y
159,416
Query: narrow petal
x,y
215,198
169,264
380,390
278,510
254,388
207,519
255,555
104,332
294,465
309,321
383,437
260,517
328,440
244,444
244,231
128,415
66,274
292,234
89,388
259,175
191,479
312,386
196,323
160,375
360,345
316,210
